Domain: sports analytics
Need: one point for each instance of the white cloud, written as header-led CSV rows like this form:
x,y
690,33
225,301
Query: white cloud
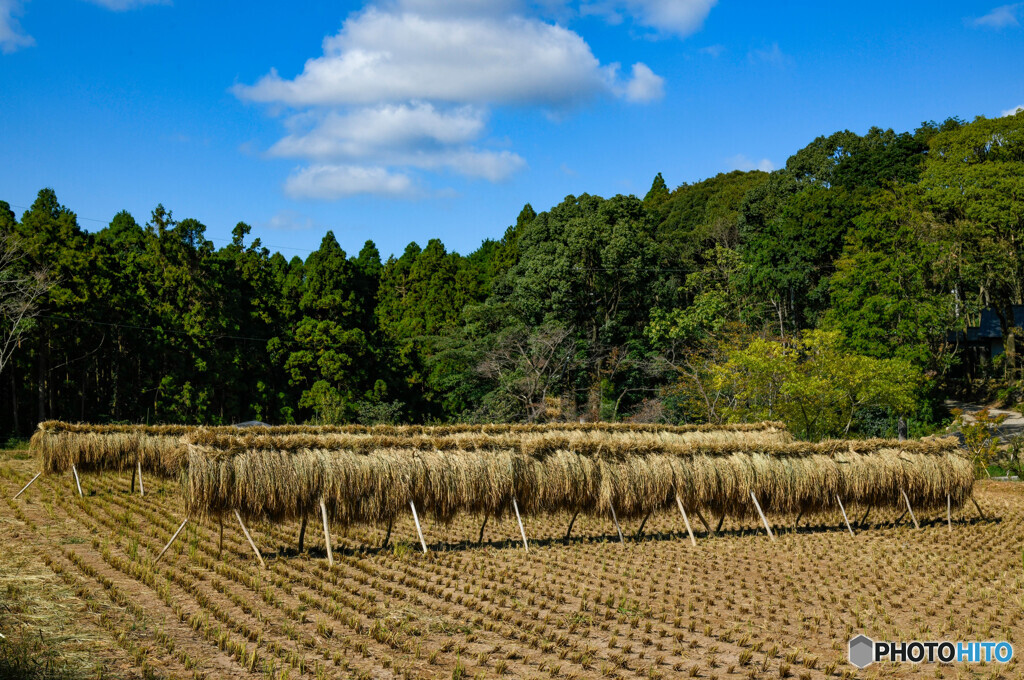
x,y
713,50
1000,17
679,17
12,38
288,220
1013,111
770,55
645,85
330,182
407,86
380,56
372,130
742,162
124,5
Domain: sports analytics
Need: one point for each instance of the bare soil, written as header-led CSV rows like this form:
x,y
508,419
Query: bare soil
x,y
79,575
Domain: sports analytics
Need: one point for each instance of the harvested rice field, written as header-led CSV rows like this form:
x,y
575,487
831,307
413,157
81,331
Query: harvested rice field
x,y
81,596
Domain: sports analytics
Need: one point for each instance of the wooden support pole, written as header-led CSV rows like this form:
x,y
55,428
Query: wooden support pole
x,y
571,522
77,483
763,518
616,520
864,518
910,510
302,532
799,516
245,531
898,519
721,521
845,518
707,527
419,531
220,542
978,508
327,533
949,512
480,538
640,531
519,519
132,487
142,491
686,520
171,541
387,536
27,485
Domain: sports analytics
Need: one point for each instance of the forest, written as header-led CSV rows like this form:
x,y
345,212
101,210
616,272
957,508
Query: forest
x,y
831,294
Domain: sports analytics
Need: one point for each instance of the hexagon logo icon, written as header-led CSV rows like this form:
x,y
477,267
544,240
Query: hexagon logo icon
x,y
862,651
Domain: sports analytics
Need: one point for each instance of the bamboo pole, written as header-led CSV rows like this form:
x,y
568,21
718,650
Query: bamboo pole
x,y
387,536
721,521
763,518
220,542
77,483
640,531
302,532
171,541
978,508
519,519
571,522
910,510
245,531
899,519
142,491
864,518
686,520
327,533
480,538
845,518
949,512
616,520
799,516
419,531
131,489
707,527
26,486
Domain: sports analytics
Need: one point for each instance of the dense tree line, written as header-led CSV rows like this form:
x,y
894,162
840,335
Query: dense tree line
x,y
597,308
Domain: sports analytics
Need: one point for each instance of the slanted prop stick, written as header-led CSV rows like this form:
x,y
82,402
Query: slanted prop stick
x,y
910,510
171,541
480,538
245,531
571,522
419,531
979,508
302,532
77,483
142,491
845,518
387,536
27,485
949,512
616,520
707,527
520,520
763,518
686,520
327,533
640,531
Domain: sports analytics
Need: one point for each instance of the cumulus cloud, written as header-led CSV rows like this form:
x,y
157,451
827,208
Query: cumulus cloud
x,y
1001,17
678,17
329,182
12,38
1013,111
645,85
395,56
742,162
408,85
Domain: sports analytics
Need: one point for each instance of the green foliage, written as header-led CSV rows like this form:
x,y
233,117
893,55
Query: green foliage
x,y
980,432
813,384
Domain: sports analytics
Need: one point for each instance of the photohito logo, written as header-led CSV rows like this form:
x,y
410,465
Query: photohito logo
x,y
864,651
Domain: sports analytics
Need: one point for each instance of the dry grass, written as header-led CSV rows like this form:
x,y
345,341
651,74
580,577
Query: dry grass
x,y
372,479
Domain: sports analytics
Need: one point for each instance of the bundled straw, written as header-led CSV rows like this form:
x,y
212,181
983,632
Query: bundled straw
x,y
373,479
161,450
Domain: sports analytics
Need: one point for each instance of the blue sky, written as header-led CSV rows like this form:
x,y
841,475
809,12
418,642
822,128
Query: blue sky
x,y
404,120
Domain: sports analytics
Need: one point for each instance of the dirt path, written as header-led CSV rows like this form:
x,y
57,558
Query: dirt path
x,y
1011,427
